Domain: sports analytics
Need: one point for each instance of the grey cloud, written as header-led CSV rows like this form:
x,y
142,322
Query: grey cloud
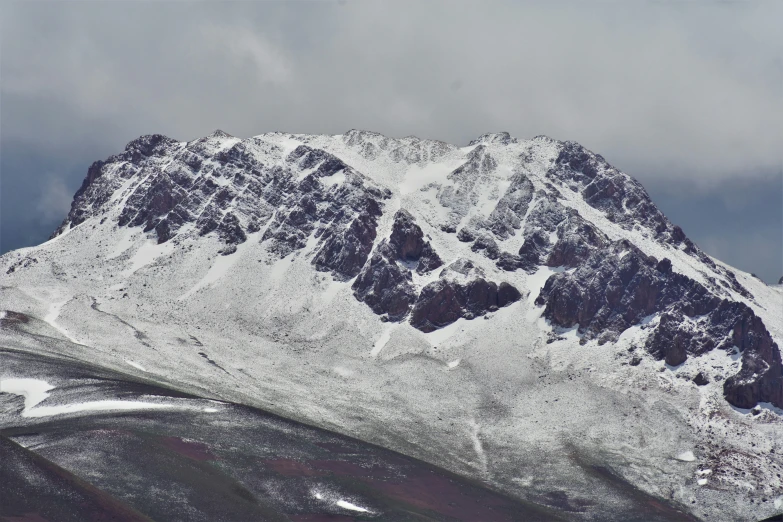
x,y
55,199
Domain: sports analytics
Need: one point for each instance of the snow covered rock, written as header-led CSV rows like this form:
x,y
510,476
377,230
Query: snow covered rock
x,y
291,271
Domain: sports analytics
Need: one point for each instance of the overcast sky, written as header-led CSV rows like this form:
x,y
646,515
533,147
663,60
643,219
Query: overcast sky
x,y
686,96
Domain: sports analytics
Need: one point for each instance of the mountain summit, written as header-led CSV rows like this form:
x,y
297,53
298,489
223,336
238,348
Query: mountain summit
x,y
485,308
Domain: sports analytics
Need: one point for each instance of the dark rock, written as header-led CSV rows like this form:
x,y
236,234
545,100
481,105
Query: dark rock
x,y
607,293
533,250
406,237
669,341
485,244
664,266
230,231
444,301
509,262
507,294
345,252
466,235
506,218
577,239
408,244
428,261
384,285
701,379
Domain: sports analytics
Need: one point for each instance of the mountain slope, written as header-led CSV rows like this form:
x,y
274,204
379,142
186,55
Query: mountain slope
x,y
342,281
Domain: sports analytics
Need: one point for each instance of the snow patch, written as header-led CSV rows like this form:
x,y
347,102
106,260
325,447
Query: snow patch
x,y
51,318
686,456
219,268
34,391
343,372
146,254
382,340
136,365
352,507
107,405
338,178
335,500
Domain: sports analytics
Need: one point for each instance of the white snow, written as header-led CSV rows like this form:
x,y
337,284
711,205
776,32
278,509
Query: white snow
x,y
478,446
338,178
352,507
219,268
298,332
125,242
53,314
686,456
34,391
146,254
135,365
382,340
107,405
335,500
537,280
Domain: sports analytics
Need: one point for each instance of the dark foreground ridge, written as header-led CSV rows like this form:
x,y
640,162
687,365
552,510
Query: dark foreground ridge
x,y
230,463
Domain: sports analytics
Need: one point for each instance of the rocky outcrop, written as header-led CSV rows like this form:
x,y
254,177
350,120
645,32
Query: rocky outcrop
x,y
622,198
385,283
407,240
616,288
462,194
577,240
506,218
221,185
466,296
345,250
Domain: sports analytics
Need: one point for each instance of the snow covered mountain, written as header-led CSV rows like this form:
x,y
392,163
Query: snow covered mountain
x,y
517,311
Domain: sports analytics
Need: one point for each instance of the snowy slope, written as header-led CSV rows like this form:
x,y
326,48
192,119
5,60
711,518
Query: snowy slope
x,y
487,308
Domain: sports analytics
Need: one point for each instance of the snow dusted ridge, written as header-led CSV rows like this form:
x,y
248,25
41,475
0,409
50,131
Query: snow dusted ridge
x,y
371,285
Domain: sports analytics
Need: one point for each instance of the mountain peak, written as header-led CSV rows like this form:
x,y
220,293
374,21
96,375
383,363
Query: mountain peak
x,y
505,213
502,138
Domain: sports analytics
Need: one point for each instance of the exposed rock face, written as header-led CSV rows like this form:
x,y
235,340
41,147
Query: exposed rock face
x,y
463,194
221,185
345,249
385,283
621,197
468,295
511,208
615,288
408,243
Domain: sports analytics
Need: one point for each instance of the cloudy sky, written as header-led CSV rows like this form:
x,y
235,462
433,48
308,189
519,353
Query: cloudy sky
x,y
686,96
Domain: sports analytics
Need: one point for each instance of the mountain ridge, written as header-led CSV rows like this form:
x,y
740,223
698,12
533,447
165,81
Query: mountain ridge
x,y
347,240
